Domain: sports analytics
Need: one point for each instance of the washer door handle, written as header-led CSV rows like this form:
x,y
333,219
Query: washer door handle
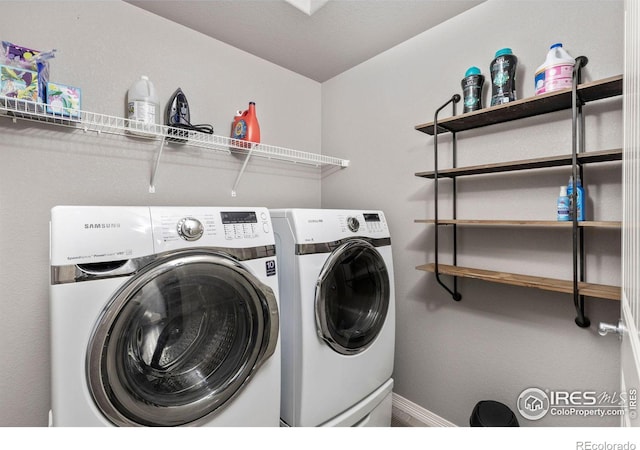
x,y
274,323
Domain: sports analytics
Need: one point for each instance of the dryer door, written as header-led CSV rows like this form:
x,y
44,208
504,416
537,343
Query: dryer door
x,y
352,297
180,339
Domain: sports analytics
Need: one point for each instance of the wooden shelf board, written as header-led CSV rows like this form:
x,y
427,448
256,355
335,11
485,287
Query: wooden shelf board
x,y
547,284
527,164
528,107
525,223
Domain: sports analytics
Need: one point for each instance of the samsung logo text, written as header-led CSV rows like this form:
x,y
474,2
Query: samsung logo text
x,y
100,226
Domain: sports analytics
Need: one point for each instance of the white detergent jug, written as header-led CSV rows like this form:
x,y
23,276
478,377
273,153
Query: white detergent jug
x,y
142,107
556,71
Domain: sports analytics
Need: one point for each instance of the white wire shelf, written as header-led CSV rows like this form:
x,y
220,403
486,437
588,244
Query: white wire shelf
x,y
101,123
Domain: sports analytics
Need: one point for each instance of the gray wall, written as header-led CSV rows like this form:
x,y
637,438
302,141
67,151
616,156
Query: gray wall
x,y
499,339
103,47
493,344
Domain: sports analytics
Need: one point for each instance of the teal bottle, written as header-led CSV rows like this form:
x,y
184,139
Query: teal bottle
x,y
503,77
472,84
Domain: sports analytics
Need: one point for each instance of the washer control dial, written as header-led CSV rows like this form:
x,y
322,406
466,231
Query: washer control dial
x,y
190,229
353,224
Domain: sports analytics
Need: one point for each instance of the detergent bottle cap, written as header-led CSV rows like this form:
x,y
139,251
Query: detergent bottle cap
x,y
472,71
504,51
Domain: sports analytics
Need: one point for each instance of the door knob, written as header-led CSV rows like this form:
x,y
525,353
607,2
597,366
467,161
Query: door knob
x,y
606,328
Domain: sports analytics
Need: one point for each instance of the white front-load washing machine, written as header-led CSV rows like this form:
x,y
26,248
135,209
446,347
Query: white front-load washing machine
x,y
164,316
337,312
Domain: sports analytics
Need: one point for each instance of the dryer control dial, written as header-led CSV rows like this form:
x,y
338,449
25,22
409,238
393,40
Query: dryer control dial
x,y
190,229
353,224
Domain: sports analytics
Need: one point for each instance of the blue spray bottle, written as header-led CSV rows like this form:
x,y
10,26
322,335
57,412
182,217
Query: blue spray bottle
x,y
580,196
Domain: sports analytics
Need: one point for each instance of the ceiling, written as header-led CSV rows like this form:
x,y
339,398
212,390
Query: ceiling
x,y
315,38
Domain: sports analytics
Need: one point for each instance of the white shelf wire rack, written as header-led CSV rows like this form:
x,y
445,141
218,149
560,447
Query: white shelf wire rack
x,y
100,123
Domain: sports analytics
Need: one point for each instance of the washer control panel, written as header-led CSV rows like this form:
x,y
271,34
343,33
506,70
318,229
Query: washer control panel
x,y
190,229
177,227
244,224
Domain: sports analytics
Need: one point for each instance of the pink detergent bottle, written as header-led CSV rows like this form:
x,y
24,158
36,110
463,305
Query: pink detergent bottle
x,y
556,71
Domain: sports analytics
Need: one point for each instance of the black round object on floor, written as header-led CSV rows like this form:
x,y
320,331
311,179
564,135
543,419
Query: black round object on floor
x,y
489,413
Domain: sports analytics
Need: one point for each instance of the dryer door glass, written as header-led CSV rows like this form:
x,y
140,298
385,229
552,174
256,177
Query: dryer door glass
x,y
352,297
180,339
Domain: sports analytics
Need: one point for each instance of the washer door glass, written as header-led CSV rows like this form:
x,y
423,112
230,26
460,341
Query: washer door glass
x,y
352,297
180,339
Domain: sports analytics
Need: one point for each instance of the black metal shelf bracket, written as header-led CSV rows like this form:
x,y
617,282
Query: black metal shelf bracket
x,y
453,292
577,146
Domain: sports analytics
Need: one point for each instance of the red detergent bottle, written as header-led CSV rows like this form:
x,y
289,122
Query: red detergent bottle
x,y
245,127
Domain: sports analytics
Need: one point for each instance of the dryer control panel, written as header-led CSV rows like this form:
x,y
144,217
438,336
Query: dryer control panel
x,y
374,222
363,223
331,225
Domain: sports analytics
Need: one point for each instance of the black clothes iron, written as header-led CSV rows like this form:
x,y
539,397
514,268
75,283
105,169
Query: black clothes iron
x,y
178,110
178,118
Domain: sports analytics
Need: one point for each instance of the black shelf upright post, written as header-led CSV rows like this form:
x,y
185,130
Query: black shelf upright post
x,y
453,292
577,144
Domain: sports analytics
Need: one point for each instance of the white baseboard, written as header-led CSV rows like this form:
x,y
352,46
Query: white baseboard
x,y
405,413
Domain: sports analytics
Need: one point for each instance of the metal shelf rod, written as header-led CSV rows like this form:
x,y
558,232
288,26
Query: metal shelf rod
x,y
455,295
87,121
577,146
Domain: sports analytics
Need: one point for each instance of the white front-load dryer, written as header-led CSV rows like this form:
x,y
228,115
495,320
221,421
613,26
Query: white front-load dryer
x,y
164,316
337,307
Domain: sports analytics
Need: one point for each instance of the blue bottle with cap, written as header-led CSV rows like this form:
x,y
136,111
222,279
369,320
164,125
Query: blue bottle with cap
x,y
503,77
579,197
564,205
472,89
